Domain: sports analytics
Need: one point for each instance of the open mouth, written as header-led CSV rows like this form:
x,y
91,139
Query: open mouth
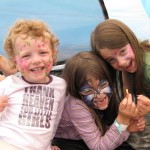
x,y
101,100
37,69
130,67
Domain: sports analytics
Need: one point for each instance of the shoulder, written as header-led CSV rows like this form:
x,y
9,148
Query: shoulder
x,y
147,58
58,81
76,105
145,45
9,80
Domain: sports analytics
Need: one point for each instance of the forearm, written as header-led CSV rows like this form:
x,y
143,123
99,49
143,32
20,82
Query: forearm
x,y
91,135
111,140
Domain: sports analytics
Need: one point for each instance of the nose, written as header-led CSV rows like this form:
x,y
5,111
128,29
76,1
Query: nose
x,y
121,62
36,59
100,95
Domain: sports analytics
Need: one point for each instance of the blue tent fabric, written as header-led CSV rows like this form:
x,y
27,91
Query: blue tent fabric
x,y
72,21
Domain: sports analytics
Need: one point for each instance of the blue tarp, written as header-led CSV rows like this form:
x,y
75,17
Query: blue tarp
x,y
72,21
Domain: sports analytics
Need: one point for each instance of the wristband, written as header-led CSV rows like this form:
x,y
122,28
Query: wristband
x,y
120,127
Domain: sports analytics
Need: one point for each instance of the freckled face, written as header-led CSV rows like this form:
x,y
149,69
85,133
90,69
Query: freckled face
x,y
120,59
33,59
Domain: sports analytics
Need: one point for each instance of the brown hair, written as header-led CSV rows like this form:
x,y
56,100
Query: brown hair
x,y
35,28
75,73
114,34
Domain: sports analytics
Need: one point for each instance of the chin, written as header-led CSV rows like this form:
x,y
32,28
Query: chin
x,y
103,108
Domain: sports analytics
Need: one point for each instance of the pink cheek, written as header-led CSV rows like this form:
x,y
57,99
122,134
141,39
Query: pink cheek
x,y
23,65
130,52
49,66
126,57
115,52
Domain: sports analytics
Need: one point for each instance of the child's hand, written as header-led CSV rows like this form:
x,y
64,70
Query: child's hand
x,y
136,125
143,105
3,103
55,148
127,110
2,77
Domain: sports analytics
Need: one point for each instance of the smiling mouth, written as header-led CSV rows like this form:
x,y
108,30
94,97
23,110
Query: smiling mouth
x,y
100,101
104,99
129,65
37,69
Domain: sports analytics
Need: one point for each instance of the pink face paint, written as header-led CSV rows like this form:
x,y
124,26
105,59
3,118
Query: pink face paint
x,y
22,64
49,66
115,52
39,43
129,52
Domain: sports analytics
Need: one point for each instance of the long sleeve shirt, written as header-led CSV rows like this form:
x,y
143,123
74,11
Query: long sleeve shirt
x,y
141,140
78,123
33,113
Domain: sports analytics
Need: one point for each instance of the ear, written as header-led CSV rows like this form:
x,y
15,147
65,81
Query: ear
x,y
13,63
54,54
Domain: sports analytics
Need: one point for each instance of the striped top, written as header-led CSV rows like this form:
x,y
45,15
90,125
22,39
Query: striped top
x,y
78,123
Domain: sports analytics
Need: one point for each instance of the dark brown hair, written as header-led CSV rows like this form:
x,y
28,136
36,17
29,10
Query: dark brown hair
x,y
75,73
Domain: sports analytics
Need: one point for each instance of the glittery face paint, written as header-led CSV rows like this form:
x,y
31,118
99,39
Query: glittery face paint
x,y
120,59
33,58
96,97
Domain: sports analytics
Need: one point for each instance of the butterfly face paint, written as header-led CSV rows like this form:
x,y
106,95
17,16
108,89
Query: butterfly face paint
x,y
33,58
98,98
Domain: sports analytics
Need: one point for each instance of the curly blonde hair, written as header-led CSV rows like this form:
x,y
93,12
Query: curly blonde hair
x,y
34,28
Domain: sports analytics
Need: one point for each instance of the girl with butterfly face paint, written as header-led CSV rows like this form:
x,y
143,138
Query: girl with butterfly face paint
x,y
97,96
88,119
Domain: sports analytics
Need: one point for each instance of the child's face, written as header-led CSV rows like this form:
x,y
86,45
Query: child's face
x,y
96,93
120,59
33,59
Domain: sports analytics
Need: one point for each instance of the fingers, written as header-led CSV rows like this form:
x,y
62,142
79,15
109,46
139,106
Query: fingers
x,y
143,104
3,103
130,104
136,125
2,77
134,112
141,123
143,110
55,148
143,99
123,103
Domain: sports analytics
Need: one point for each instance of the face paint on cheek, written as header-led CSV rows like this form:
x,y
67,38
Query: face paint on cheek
x,y
87,93
130,51
108,91
115,52
49,66
88,99
22,64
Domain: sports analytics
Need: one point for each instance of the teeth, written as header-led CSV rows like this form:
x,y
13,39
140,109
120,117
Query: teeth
x,y
36,69
128,64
